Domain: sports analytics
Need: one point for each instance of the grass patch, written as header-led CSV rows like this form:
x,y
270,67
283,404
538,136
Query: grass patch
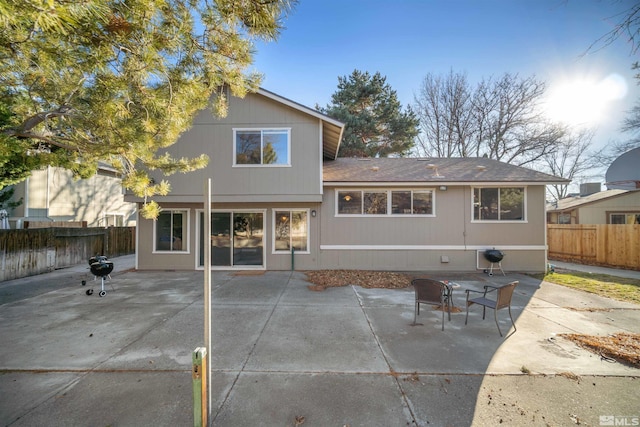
x,y
618,288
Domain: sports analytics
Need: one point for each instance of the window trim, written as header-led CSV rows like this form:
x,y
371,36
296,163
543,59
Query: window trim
x,y
389,191
262,165
610,215
107,215
563,215
525,218
186,232
274,251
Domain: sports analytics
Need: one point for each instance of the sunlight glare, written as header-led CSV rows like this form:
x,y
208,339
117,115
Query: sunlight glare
x,y
584,102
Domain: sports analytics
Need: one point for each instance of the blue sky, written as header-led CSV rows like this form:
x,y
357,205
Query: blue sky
x,y
405,40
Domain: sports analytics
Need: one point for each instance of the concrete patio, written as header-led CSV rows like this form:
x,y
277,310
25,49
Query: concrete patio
x,y
281,353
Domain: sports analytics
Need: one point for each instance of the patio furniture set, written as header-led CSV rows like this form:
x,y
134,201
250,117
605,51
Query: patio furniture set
x,y
434,292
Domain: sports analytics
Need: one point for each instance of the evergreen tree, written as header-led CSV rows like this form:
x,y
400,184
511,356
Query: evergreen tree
x,y
115,81
376,125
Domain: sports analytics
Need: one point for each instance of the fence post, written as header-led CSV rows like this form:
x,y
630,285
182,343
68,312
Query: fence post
x,y
199,375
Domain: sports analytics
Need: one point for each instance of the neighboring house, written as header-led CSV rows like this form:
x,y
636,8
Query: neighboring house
x,y
52,194
593,206
277,185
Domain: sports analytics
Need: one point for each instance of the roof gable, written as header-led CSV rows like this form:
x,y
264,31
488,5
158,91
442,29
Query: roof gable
x,y
332,129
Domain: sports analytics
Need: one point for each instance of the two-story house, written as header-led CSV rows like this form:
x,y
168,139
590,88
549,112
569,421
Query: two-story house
x,y
281,198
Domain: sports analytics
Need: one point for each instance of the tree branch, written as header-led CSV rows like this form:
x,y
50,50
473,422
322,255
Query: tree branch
x,y
40,137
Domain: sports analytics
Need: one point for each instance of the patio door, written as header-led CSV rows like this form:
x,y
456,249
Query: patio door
x,y
237,239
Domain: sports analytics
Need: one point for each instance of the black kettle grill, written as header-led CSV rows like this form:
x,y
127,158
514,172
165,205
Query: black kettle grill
x,y
494,256
100,267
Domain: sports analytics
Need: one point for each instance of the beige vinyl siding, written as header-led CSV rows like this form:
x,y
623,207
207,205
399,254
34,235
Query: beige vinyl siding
x,y
187,261
596,213
406,242
529,232
214,137
429,260
148,260
54,193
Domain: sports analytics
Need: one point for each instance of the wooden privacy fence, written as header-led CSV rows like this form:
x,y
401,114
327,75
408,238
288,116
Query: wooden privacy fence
x,y
609,245
35,251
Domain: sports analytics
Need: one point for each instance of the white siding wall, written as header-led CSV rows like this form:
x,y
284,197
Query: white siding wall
x,y
67,199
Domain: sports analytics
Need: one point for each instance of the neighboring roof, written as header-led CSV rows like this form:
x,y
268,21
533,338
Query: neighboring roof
x,y
569,203
449,171
332,129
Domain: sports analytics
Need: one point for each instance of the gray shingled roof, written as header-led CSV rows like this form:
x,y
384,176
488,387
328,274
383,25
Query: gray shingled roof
x,y
436,170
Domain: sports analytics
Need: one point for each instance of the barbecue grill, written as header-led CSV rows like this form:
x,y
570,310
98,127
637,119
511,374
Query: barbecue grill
x,y
100,267
494,256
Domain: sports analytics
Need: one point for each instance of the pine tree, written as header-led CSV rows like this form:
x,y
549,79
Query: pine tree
x,y
114,81
376,125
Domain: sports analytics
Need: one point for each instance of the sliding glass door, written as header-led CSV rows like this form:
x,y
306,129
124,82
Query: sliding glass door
x,y
237,239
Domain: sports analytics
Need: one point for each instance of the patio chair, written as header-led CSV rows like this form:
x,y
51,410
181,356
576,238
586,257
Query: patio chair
x,y
433,292
502,300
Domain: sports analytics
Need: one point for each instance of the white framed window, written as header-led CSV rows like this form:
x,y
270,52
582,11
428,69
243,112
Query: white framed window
x,y
113,219
624,218
290,230
171,231
564,218
385,202
499,204
262,147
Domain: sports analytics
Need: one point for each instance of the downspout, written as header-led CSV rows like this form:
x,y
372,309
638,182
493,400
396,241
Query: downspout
x,y
546,243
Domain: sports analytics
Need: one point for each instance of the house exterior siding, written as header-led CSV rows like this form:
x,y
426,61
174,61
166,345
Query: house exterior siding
x,y
148,259
53,194
214,137
254,206
598,213
595,208
243,188
419,243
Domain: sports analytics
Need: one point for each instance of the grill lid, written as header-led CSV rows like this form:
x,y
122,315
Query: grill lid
x,y
493,255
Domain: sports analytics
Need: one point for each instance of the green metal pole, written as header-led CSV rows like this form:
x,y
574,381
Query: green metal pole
x,y
199,376
293,265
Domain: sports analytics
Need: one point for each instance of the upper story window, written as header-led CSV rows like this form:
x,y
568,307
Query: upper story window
x,y
499,204
385,202
171,230
266,147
